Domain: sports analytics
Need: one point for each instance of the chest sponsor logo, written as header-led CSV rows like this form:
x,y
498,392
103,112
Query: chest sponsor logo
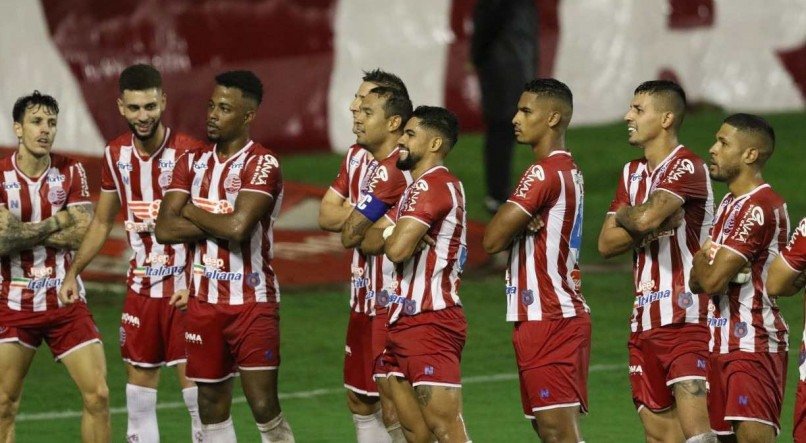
x,y
157,266
41,280
753,217
214,206
212,269
535,173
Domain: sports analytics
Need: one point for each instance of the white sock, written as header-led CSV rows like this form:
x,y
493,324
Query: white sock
x,y
141,404
277,430
396,433
370,429
191,396
707,437
223,432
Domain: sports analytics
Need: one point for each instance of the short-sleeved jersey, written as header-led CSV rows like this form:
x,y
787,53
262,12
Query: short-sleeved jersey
x,y
155,270
226,272
794,255
662,264
754,226
351,184
543,279
430,279
387,184
30,279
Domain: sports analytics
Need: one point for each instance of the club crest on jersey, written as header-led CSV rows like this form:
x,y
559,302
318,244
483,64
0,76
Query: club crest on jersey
x,y
57,196
409,307
265,163
382,298
740,329
535,173
232,183
754,216
685,300
527,297
164,180
253,280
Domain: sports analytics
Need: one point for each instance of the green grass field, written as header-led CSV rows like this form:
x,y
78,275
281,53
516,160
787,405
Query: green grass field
x,y
313,322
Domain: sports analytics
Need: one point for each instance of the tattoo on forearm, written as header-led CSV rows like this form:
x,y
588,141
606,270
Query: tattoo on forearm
x,y
423,394
70,236
694,388
16,235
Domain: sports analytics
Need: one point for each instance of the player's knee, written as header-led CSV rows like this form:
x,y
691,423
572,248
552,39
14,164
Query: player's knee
x,y
96,401
389,414
552,431
9,405
361,404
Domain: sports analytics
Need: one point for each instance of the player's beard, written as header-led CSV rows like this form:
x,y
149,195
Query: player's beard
x,y
408,163
148,136
724,173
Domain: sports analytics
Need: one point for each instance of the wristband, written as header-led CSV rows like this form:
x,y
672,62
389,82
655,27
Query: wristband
x,y
741,278
387,232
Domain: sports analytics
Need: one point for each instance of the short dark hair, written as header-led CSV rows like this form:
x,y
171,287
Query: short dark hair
x,y
673,98
246,81
35,99
397,103
756,127
139,78
550,87
383,78
440,120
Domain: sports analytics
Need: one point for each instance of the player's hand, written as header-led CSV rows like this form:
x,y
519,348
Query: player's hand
x,y
63,218
673,221
180,299
424,242
535,224
68,292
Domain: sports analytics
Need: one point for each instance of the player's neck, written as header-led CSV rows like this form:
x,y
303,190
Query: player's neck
x,y
658,149
31,165
382,151
745,182
226,149
424,166
544,147
150,146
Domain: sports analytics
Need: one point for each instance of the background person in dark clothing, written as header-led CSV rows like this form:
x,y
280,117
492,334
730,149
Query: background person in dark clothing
x,y
504,53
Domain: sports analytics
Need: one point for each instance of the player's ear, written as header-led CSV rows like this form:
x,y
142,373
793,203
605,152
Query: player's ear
x,y
18,130
120,106
436,144
750,155
163,100
249,116
555,117
394,123
668,119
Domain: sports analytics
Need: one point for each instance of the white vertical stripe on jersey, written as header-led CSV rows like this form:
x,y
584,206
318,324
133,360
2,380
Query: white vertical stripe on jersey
x,y
664,259
534,310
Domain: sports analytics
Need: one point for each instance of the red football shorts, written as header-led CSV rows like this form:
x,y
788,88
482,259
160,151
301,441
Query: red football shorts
x,y
358,359
152,332
64,330
221,339
799,433
553,358
426,349
379,333
746,386
663,356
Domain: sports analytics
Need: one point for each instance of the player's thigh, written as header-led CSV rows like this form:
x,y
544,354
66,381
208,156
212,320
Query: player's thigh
x,y
181,376
439,403
662,426
405,401
753,431
260,385
15,360
561,422
143,376
87,368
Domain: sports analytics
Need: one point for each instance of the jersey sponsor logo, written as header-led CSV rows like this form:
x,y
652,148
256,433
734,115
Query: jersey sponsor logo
x,y
232,183
381,175
57,196
167,165
214,206
265,163
236,166
535,173
158,271
414,194
636,370
129,319
41,272
35,284
8,186
646,285
652,297
754,216
428,370
55,178
199,165
194,338
799,231
358,279
545,393
211,269
743,400
130,226
409,306
683,167
125,166
717,322
635,176
145,210
84,192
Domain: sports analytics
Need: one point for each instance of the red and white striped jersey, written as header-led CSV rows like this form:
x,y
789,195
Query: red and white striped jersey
x,y
30,279
430,279
543,279
351,183
155,270
662,264
755,226
387,185
225,272
794,255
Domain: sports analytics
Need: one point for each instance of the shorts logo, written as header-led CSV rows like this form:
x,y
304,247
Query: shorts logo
x,y
685,300
545,393
3,330
232,183
128,319
743,400
164,179
268,355
700,363
382,298
527,297
57,196
740,330
429,370
122,336
636,370
193,338
253,279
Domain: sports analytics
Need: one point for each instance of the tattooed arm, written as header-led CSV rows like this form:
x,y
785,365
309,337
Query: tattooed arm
x,y
17,236
642,219
70,235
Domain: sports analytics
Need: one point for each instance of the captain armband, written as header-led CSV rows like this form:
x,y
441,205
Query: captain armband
x,y
372,207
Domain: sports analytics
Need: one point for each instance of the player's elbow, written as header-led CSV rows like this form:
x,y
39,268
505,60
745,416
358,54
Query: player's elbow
x,y
396,252
779,287
240,232
492,243
606,250
348,241
164,233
